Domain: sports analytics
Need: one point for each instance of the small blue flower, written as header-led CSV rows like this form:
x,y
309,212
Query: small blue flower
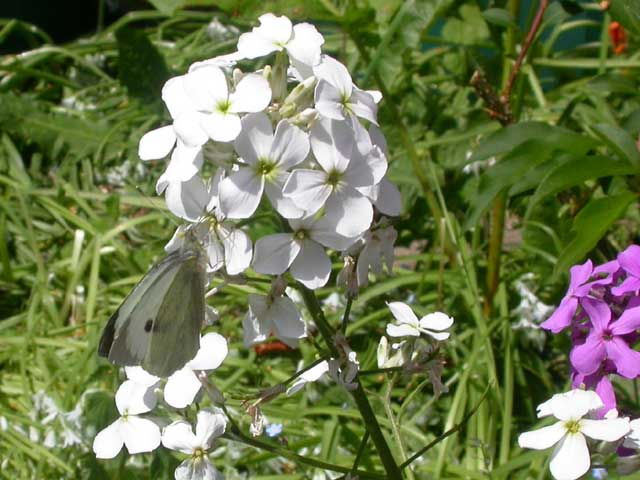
x,y
273,430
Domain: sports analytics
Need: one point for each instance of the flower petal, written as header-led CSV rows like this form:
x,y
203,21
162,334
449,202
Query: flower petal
x,y
274,254
175,97
206,87
310,375
140,434
332,142
561,318
181,388
189,130
403,313
272,33
579,274
286,319
255,139
334,72
178,436
284,205
363,105
403,330
213,350
240,193
210,425
157,143
134,398
290,145
588,357
304,48
628,322
141,376
542,438
350,211
188,199
608,430
574,404
570,459
630,260
237,250
312,266
328,101
252,94
221,127
108,442
389,200
308,189
626,360
598,312
436,321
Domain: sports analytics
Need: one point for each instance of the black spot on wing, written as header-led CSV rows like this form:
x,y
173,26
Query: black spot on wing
x,y
148,325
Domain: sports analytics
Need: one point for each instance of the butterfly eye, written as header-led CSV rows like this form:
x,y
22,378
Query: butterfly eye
x,y
148,325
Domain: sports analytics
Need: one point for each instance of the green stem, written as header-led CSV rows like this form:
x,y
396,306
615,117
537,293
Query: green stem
x,y
347,311
359,396
286,453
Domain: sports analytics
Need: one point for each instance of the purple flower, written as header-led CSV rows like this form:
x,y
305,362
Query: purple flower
x,y
629,260
606,342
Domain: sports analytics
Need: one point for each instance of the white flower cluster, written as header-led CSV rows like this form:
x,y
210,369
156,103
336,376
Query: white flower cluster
x,y
293,133
139,432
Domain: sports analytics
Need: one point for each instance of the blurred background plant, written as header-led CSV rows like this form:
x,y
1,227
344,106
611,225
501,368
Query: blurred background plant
x,y
502,193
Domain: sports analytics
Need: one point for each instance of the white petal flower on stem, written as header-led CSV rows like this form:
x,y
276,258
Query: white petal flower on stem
x,y
301,251
335,185
337,97
140,376
570,458
408,324
183,385
302,42
311,375
276,316
389,358
179,436
267,158
632,440
136,433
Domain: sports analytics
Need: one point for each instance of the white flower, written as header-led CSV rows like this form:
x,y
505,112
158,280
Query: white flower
x,y
183,385
267,159
203,108
140,376
273,315
302,42
432,324
337,97
179,436
378,247
136,433
311,375
343,170
632,440
301,250
570,459
385,358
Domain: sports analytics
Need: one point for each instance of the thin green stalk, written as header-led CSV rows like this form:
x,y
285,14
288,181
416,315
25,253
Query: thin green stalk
x,y
286,453
358,394
397,435
347,311
508,387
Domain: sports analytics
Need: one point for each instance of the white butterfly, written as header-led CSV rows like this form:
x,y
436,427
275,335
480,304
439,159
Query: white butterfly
x,y
158,325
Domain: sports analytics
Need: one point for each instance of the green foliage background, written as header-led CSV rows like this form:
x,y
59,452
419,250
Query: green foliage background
x,y
76,235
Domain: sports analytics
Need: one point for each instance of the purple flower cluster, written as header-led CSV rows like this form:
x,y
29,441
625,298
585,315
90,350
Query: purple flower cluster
x,y
602,307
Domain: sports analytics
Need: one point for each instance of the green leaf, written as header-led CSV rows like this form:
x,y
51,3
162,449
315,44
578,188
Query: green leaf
x,y
620,142
505,173
141,67
500,17
167,6
577,170
469,29
627,12
590,225
506,139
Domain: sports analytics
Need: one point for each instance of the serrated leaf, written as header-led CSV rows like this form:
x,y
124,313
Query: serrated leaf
x,y
505,173
620,142
576,171
506,139
141,67
590,225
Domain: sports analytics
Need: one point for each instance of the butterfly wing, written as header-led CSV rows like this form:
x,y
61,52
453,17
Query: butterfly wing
x,y
176,330
127,337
